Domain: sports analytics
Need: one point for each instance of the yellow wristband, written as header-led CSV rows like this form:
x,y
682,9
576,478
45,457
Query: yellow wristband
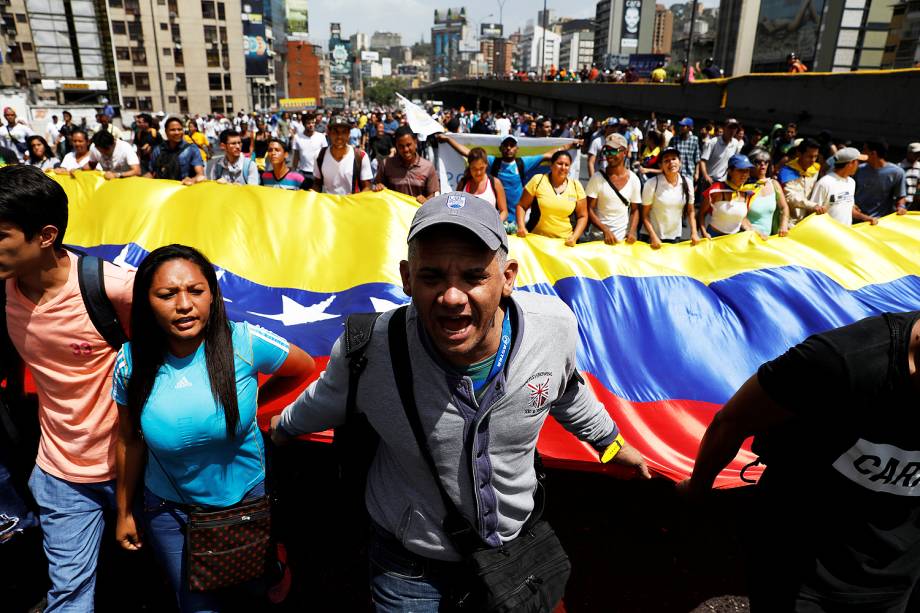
x,y
613,449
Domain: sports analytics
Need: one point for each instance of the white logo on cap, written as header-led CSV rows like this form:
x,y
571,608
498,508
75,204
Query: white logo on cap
x,y
456,202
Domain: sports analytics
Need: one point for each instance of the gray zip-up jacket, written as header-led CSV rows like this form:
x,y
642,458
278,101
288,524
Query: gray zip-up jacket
x,y
484,450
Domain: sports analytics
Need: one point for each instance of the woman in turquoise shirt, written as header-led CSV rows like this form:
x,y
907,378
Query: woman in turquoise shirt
x,y
187,393
768,212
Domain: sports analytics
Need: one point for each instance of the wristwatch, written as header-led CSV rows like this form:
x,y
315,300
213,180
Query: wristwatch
x,y
117,175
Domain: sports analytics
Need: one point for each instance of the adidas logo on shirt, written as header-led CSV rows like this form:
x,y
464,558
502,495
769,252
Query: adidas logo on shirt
x,y
183,383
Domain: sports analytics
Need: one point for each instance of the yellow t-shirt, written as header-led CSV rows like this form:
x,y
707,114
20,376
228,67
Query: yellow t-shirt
x,y
201,141
555,209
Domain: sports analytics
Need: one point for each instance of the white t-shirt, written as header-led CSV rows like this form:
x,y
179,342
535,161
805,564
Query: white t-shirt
x,y
836,193
211,128
336,175
667,202
122,159
610,208
716,153
308,147
70,161
503,125
9,136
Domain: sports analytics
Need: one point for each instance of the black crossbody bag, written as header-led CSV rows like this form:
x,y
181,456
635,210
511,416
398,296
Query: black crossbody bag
x,y
525,575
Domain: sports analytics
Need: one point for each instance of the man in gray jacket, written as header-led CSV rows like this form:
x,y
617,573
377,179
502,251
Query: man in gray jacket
x,y
488,367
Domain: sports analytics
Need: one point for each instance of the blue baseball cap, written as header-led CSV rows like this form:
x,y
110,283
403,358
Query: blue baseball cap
x,y
686,121
740,162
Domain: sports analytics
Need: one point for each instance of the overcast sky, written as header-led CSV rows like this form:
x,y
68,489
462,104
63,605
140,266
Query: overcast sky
x,y
413,18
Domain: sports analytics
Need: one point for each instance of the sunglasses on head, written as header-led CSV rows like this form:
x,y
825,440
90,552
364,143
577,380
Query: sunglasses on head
x,y
613,151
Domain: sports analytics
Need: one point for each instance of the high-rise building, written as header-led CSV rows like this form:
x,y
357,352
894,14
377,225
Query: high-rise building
x,y
60,50
664,29
622,27
503,56
304,70
382,41
453,43
853,35
179,59
359,42
576,47
902,50
533,40
297,19
827,35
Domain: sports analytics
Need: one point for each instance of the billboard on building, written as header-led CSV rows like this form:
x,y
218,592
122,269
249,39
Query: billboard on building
x,y
451,16
340,64
295,14
784,27
255,45
297,104
491,30
370,56
632,14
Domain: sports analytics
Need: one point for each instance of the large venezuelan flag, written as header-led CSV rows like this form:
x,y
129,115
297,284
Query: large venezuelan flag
x,y
667,336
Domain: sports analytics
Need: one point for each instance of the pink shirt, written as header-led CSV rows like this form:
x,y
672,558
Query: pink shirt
x,y
71,365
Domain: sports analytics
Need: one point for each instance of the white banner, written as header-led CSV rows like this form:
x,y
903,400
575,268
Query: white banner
x,y
451,165
418,119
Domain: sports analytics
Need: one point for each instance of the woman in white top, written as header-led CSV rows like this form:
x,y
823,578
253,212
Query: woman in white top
x,y
79,158
728,200
40,154
615,212
476,181
665,197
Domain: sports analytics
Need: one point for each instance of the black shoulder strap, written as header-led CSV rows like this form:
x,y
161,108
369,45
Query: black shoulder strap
x,y
12,370
98,306
356,171
461,534
318,167
616,191
496,166
520,166
358,330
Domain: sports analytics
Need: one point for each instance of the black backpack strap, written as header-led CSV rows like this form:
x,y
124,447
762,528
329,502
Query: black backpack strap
x,y
98,306
356,171
520,165
358,330
9,358
461,533
318,167
496,166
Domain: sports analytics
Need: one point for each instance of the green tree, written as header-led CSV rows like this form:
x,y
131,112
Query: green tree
x,y
383,90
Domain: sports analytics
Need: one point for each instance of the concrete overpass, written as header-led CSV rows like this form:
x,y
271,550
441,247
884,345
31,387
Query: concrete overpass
x,y
852,105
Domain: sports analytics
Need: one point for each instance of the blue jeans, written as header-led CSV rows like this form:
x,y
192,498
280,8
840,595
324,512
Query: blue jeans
x,y
165,530
402,582
71,517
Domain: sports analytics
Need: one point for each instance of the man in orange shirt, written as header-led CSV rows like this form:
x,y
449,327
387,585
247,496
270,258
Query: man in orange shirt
x,y
794,64
71,364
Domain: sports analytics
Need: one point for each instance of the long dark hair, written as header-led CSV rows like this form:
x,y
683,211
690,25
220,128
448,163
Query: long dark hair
x,y
47,152
148,341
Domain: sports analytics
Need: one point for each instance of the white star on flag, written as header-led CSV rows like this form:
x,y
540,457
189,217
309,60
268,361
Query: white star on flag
x,y
294,314
121,258
381,305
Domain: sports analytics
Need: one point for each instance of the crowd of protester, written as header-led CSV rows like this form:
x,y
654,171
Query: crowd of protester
x,y
732,178
179,430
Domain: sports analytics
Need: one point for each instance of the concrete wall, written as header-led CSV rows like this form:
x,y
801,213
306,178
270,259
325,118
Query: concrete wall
x,y
855,105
